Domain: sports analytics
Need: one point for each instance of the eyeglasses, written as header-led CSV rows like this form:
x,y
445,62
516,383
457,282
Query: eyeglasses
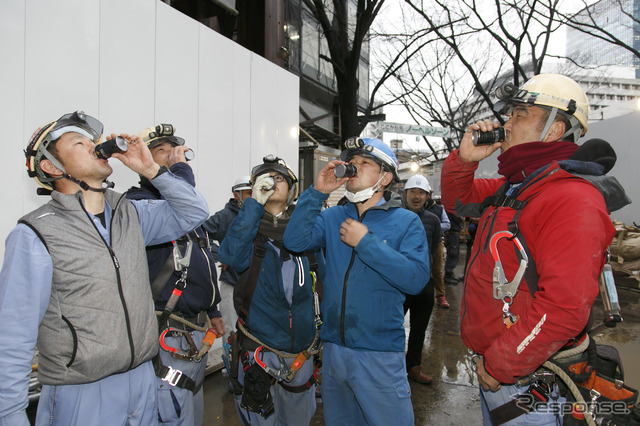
x,y
278,178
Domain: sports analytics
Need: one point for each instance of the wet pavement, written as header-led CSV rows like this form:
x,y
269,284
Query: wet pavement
x,y
452,399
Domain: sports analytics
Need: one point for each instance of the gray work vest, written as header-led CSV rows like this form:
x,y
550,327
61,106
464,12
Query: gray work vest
x,y
100,319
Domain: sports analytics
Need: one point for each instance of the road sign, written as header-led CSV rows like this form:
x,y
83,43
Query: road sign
x,y
413,129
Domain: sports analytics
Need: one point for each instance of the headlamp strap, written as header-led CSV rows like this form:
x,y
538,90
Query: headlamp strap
x,y
573,130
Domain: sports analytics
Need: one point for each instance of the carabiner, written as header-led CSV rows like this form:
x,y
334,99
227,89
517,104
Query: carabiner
x,y
279,375
503,289
191,353
180,261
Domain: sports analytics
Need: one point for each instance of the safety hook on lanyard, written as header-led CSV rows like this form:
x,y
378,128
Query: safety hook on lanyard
x,y
191,353
280,374
180,261
502,289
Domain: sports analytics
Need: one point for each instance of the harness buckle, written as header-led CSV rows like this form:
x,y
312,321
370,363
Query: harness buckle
x,y
543,376
172,376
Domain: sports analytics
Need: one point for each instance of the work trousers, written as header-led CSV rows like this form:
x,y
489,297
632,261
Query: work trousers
x,y
177,406
127,398
436,272
420,307
290,409
361,387
452,243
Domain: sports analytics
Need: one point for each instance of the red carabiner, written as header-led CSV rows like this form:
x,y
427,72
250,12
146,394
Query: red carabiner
x,y
504,234
164,345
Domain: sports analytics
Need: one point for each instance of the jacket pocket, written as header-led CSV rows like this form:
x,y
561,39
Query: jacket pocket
x,y
74,336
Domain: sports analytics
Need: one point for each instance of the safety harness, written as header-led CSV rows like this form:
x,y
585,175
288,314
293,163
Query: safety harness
x,y
255,395
169,322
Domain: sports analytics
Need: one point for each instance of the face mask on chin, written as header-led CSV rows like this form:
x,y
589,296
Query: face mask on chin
x,y
365,194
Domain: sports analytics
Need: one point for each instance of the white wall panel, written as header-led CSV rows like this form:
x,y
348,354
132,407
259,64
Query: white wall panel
x,y
61,58
177,38
216,142
133,64
127,64
12,28
270,94
61,64
243,140
127,73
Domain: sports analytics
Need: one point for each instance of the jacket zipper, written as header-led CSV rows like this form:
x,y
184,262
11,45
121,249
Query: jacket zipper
x,y
213,286
116,264
344,296
344,287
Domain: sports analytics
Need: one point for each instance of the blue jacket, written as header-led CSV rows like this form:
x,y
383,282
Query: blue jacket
x,y
201,293
365,286
281,312
217,227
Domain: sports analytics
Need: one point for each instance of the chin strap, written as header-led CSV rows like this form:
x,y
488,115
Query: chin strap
x,y
106,184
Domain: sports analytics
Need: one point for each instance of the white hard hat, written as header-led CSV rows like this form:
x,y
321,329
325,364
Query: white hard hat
x,y
241,184
418,181
556,92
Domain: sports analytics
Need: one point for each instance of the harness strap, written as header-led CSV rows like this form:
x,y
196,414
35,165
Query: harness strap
x,y
246,285
162,277
243,292
174,377
304,387
509,411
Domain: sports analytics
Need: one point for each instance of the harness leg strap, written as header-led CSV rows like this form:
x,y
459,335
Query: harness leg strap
x,y
173,376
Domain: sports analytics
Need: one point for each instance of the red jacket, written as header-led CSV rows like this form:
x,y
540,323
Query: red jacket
x,y
567,229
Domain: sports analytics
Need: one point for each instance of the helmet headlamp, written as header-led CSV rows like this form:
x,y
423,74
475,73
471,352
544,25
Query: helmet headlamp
x,y
272,163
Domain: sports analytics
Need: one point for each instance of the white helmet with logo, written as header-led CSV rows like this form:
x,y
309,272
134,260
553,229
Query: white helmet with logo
x,y
418,181
557,92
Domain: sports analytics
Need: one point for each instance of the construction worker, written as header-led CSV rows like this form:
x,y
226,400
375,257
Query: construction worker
x,y
452,245
376,253
217,227
75,279
184,322
542,222
271,360
421,305
438,258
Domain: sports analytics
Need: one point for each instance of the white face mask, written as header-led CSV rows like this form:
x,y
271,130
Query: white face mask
x,y
365,194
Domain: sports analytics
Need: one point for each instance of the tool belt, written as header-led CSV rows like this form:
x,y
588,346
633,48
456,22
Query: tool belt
x,y
540,387
246,344
596,373
239,347
599,376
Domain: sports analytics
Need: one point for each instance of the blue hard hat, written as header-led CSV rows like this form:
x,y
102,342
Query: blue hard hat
x,y
372,148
